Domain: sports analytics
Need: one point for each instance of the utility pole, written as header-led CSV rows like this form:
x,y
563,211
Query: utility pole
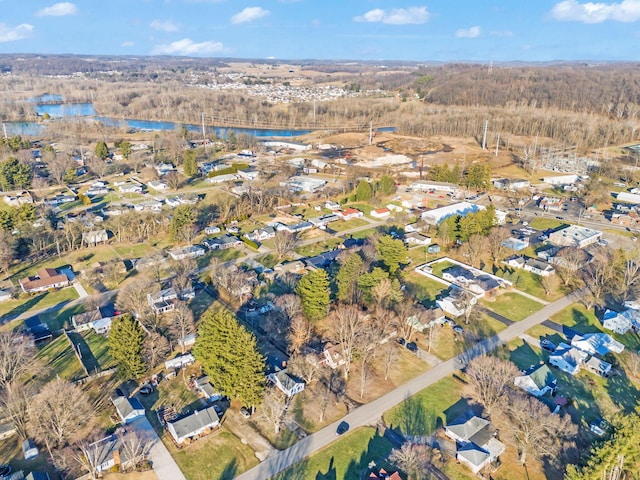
x,y
371,132
4,129
314,112
484,135
498,144
490,67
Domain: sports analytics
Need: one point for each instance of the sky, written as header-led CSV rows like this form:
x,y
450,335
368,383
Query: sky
x,y
433,30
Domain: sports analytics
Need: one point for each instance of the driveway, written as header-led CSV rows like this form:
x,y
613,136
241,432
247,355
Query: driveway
x,y
368,414
161,460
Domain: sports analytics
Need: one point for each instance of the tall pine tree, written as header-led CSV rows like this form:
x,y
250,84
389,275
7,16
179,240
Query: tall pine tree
x,y
190,164
392,253
313,289
229,355
347,278
126,340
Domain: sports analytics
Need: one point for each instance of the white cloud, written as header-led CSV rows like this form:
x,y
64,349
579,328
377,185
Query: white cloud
x,y
186,46
249,14
11,34
396,16
590,12
164,25
127,44
471,32
61,9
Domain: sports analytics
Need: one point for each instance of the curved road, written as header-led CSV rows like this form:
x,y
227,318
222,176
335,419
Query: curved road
x,y
368,414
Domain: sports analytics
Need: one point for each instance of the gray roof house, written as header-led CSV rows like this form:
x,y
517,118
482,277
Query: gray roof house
x,y
193,425
108,453
476,445
203,386
537,380
288,384
163,301
128,408
99,319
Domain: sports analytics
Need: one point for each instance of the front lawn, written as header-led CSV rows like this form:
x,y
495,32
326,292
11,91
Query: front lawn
x,y
99,346
317,248
546,223
341,226
227,254
348,458
12,308
60,360
422,288
513,306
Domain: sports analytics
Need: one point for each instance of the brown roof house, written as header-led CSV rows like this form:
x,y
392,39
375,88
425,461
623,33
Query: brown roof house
x,y
45,279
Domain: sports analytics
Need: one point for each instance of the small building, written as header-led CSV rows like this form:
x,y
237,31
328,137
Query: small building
x,y
416,238
222,242
193,425
29,449
575,236
94,237
453,304
478,282
428,185
380,213
537,381
427,318
550,204
163,301
537,267
128,409
212,230
561,179
288,384
99,319
164,168
45,279
130,188
108,453
349,214
203,386
597,343
412,227
261,234
191,251
433,249
511,184
598,366
158,185
179,362
438,215
330,205
568,358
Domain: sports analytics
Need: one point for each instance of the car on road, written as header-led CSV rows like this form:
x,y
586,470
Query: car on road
x,y
602,242
458,329
401,341
342,428
559,218
146,389
245,412
412,347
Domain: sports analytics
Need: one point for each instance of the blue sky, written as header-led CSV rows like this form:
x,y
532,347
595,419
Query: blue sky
x,y
439,30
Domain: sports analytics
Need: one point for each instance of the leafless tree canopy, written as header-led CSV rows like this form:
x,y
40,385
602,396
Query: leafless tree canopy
x,y
156,349
182,323
412,459
17,356
273,408
14,406
491,377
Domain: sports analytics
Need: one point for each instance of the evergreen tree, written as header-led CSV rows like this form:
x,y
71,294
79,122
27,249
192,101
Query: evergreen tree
x,y
183,220
364,192
392,253
14,174
347,278
368,281
313,289
229,355
190,164
126,343
386,185
125,149
101,150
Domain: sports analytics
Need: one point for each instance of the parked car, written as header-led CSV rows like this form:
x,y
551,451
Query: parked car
x,y
5,471
245,412
547,345
218,410
146,389
458,329
412,347
342,428
401,341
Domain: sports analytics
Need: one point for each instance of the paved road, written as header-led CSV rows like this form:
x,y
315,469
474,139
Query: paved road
x,y
369,413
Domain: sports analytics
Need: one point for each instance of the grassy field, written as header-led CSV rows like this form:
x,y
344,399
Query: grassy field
x,y
428,409
317,248
99,345
546,223
531,284
422,288
61,318
227,254
341,226
221,455
60,359
512,305
19,306
437,268
347,458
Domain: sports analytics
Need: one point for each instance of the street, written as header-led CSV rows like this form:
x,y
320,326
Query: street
x,y
369,413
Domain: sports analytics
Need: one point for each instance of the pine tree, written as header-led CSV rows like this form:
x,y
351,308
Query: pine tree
x,y
190,164
364,192
183,220
386,185
347,278
313,289
229,355
392,253
126,340
101,150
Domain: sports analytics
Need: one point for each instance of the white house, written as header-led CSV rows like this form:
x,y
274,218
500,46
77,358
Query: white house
x,y
212,230
164,168
130,188
426,319
416,238
349,213
597,343
128,409
191,251
476,446
621,322
537,380
331,205
288,384
179,362
437,215
380,213
99,319
575,236
158,185
567,358
261,234
163,301
108,453
228,177
530,264
412,228
453,305
193,425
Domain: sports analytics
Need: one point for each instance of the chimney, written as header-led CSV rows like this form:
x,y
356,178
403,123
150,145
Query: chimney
x,y
116,457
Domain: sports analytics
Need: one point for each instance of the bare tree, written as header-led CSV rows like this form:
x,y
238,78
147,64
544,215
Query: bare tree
x,y
55,421
631,274
57,166
299,333
568,263
495,244
98,166
284,243
473,249
184,270
346,324
535,431
412,459
289,304
550,283
304,366
156,349
182,324
491,377
602,274
14,406
134,446
468,303
273,408
132,297
174,180
17,356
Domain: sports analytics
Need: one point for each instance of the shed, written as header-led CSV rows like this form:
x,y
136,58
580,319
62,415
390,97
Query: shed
x,y
128,408
29,449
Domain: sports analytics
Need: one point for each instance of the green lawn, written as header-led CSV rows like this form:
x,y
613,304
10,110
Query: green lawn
x,y
365,233
422,288
99,345
134,250
341,226
428,409
269,260
348,458
227,254
363,207
531,284
314,249
546,223
438,267
61,318
512,305
220,456
60,359
12,308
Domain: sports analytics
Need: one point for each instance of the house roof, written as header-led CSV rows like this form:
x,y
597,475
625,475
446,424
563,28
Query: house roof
x,y
600,343
287,381
37,476
197,420
467,425
598,364
126,406
43,278
541,376
473,454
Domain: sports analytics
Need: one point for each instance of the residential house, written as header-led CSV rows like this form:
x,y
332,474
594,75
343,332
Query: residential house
x,y
60,199
567,358
416,238
179,362
172,201
190,199
476,282
382,474
99,319
130,188
191,251
295,228
128,409
287,383
454,304
412,227
248,175
597,343
598,366
348,213
163,301
621,322
32,476
212,230
294,266
380,213
45,279
324,220
223,242
476,442
203,386
164,168
95,191
19,199
193,425
537,380
29,449
150,205
529,264
322,260
428,317
226,177
332,205
94,237
261,234
331,356
547,252
575,236
108,453
158,185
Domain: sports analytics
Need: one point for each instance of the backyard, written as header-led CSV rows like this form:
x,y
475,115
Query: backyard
x,y
512,305
12,308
